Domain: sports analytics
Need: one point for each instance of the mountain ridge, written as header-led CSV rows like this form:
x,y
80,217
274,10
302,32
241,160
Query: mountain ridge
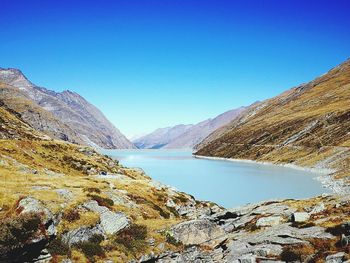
x,y
189,137
73,118
307,125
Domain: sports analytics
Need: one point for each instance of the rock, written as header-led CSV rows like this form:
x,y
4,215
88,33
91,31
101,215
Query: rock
x,y
147,258
65,193
32,205
111,222
52,173
39,187
151,242
269,221
236,249
81,234
336,258
284,235
300,216
196,232
161,246
247,259
316,209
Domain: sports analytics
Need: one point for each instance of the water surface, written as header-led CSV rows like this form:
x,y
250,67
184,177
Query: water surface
x,y
226,183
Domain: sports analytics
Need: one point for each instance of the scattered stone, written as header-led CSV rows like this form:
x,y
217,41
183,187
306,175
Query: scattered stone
x,y
32,205
52,173
38,187
196,232
81,234
336,258
269,221
316,209
300,216
65,193
151,242
111,222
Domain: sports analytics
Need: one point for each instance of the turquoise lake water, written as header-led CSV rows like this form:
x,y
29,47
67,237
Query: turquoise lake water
x,y
227,183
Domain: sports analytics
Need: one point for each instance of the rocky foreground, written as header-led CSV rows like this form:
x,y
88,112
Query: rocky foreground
x,y
121,215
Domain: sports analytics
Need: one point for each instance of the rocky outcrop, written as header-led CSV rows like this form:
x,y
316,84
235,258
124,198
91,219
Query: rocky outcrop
x,y
111,222
268,232
63,115
196,232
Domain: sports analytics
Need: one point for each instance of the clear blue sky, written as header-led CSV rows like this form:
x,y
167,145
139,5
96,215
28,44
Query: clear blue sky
x,y
149,64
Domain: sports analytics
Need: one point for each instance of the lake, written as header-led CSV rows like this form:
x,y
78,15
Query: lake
x,y
227,183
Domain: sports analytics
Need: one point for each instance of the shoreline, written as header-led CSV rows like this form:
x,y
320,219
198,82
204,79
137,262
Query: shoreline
x,y
337,186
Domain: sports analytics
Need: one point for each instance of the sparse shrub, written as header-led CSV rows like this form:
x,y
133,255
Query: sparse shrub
x,y
71,215
336,230
58,247
303,224
91,247
288,255
102,201
132,238
161,212
297,253
171,240
92,190
17,231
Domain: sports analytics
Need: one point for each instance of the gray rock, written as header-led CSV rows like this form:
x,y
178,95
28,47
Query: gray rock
x,y
269,221
196,232
300,216
39,187
81,234
284,235
316,209
111,222
65,193
336,258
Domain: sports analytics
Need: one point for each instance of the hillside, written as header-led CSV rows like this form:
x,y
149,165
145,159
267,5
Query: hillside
x,y
308,125
61,202
186,136
62,115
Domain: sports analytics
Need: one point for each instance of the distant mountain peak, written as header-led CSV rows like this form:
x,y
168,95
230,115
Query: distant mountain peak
x,y
185,136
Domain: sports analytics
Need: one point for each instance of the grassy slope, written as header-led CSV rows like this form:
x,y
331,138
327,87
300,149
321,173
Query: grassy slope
x,y
31,164
305,125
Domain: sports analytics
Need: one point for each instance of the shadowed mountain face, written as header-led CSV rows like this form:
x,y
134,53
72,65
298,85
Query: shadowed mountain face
x,y
303,125
62,115
185,136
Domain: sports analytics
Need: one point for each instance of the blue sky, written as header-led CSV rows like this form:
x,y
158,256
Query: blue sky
x,y
150,64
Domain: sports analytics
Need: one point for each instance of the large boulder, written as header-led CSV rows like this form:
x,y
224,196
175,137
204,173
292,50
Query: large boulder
x,y
269,221
111,222
196,232
300,216
81,234
32,205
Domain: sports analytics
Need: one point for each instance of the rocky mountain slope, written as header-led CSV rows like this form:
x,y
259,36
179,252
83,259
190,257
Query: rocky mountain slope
x,y
186,136
308,125
61,202
63,115
161,137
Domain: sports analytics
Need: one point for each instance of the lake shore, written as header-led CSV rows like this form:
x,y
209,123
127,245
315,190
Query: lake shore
x,y
325,175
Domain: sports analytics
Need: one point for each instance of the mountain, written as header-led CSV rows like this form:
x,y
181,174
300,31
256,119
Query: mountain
x,y
161,137
202,129
308,125
62,115
185,136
